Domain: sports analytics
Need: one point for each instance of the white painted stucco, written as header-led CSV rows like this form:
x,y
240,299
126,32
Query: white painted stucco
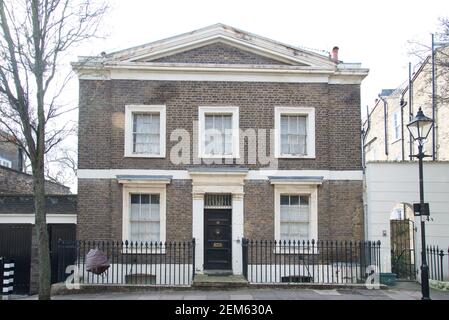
x,y
388,184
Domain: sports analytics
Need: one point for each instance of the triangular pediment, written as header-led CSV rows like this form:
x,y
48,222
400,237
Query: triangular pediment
x,y
221,44
220,52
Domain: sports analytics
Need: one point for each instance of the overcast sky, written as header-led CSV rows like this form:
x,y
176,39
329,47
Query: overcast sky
x,y
375,33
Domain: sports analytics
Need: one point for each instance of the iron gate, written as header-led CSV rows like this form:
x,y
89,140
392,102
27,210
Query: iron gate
x,y
403,249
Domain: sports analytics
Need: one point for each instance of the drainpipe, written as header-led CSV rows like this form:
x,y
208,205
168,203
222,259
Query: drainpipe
x,y
434,155
410,104
385,124
403,104
365,202
364,136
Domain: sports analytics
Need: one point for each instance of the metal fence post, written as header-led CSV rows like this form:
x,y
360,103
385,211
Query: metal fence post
x,y
245,257
441,264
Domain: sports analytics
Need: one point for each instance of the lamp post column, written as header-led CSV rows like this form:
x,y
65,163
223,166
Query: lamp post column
x,y
424,266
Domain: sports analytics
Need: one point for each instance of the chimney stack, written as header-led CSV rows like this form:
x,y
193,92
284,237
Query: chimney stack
x,y
334,55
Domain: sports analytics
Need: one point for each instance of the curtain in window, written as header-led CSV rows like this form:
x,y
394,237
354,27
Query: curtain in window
x,y
295,212
218,134
293,134
146,133
145,217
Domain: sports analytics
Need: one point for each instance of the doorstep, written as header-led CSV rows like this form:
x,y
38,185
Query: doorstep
x,y
204,281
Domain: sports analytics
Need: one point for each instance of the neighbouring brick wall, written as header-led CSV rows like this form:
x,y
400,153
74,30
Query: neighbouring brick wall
x,y
218,53
10,152
102,111
56,204
15,182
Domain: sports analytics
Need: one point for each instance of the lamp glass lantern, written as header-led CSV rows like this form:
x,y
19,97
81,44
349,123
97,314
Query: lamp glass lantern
x,y
420,126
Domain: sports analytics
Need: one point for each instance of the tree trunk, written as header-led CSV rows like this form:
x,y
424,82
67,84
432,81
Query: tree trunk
x,y
41,233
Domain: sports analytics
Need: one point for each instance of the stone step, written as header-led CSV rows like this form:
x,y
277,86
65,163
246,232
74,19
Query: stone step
x,y
219,281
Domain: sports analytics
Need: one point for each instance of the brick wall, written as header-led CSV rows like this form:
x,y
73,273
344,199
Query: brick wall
x,y
100,211
57,204
340,210
218,53
259,210
96,217
102,110
10,152
15,182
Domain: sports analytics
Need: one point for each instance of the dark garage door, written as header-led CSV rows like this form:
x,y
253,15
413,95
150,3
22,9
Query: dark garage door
x,y
15,243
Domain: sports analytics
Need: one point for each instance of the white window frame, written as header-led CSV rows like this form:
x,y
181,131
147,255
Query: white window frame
x,y
300,190
5,162
153,189
394,126
309,113
129,111
234,111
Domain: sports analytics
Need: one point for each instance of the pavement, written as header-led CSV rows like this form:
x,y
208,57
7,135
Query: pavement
x,y
401,291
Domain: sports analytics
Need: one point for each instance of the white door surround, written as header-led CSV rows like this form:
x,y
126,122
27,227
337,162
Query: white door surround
x,y
218,182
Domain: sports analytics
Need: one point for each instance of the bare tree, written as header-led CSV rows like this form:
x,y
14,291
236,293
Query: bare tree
x,y
423,52
35,35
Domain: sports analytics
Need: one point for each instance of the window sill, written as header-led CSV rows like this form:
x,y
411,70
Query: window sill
x,y
156,156
287,156
205,156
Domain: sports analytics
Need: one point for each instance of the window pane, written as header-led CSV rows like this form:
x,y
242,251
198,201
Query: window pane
x,y
135,212
155,198
294,200
302,145
292,124
285,147
285,212
284,124
227,122
294,231
293,134
302,123
304,200
209,122
135,198
218,135
134,231
145,217
145,198
146,133
285,200
303,230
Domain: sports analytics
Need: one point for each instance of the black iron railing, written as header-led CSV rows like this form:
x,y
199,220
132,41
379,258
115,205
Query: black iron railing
x,y
135,263
437,259
266,261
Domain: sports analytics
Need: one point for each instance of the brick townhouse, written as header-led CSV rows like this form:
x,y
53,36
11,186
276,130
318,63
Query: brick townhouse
x,y
219,134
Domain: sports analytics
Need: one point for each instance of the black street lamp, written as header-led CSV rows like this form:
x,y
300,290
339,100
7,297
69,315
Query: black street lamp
x,y
420,128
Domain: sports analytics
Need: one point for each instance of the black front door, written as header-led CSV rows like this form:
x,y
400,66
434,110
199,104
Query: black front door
x,y
217,239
